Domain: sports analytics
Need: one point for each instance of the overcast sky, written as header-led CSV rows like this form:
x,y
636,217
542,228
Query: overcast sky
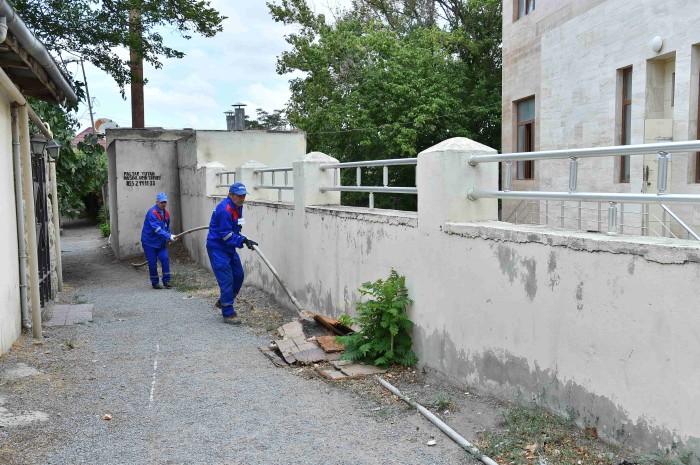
x,y
237,65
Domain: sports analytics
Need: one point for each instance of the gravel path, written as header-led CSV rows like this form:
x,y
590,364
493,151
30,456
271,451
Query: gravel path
x,y
182,387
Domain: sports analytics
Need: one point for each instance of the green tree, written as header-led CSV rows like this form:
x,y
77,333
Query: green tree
x,y
388,87
95,29
275,121
80,172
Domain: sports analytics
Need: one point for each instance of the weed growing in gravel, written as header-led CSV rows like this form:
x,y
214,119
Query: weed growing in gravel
x,y
442,402
184,283
531,434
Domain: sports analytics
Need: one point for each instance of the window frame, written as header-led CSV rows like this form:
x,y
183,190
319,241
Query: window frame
x,y
625,115
528,7
526,167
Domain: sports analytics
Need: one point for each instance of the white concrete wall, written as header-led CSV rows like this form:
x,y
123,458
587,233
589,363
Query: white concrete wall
x,y
270,149
601,326
10,313
567,54
186,162
138,171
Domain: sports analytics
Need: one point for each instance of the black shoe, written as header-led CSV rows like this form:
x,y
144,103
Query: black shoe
x,y
232,320
157,286
167,285
217,304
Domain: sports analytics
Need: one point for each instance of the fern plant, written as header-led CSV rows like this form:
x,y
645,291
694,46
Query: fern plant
x,y
385,335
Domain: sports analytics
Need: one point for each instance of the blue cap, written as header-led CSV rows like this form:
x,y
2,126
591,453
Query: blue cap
x,y
238,188
162,197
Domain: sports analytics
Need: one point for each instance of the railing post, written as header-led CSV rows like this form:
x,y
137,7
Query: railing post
x,y
612,218
444,179
573,174
246,174
661,181
508,181
308,179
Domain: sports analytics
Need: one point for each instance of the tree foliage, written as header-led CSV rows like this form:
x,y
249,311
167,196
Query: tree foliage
x,y
80,172
94,29
393,77
275,121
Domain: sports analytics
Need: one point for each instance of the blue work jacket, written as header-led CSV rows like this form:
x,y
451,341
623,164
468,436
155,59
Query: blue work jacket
x,y
156,228
225,226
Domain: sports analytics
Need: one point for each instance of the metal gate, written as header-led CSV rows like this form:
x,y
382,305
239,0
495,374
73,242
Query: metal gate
x,y
42,228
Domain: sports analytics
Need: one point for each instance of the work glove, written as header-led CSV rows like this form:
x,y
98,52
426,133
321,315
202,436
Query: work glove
x,y
249,243
173,237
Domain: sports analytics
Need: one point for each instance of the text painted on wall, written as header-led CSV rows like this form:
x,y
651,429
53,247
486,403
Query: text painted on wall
x,y
141,178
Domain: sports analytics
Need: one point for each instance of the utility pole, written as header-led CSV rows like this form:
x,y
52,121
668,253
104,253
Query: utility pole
x,y
87,90
136,65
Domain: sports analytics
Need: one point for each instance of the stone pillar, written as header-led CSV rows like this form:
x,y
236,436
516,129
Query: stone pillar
x,y
246,175
308,179
212,179
444,179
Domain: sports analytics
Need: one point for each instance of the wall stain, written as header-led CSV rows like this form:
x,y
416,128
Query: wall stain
x,y
579,296
506,261
529,279
551,268
504,375
510,263
630,267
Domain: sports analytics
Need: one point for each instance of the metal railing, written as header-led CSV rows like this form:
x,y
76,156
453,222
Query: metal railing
x,y
590,218
358,187
228,175
287,186
663,149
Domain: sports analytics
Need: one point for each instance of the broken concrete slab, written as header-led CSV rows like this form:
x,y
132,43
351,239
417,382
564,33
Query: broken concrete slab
x,y
328,344
66,315
341,363
273,356
310,355
357,370
330,373
291,330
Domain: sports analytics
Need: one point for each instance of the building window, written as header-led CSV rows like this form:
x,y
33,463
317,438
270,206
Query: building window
x,y
673,89
526,137
525,7
626,122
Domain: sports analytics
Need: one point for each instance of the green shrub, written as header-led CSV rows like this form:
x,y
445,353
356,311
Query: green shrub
x,y
385,335
104,229
103,217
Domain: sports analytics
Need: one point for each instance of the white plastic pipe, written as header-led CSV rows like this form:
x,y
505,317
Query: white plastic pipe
x,y
19,212
466,445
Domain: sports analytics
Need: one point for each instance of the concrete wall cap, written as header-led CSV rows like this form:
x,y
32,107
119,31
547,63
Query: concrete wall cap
x,y
213,165
460,144
253,164
319,157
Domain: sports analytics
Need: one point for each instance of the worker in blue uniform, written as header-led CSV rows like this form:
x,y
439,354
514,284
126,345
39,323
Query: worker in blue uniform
x,y
223,239
155,236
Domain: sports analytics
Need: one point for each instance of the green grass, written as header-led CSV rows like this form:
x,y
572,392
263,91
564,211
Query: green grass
x,y
527,434
185,283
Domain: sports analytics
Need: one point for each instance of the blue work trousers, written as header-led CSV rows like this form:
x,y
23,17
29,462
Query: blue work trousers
x,y
229,274
153,255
